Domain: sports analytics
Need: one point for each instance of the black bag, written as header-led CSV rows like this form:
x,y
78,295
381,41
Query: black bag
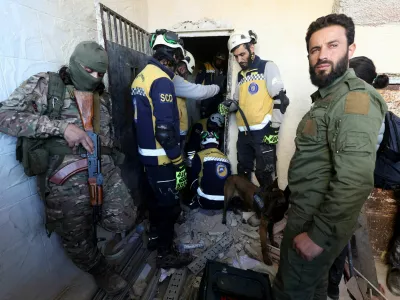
x,y
222,282
387,167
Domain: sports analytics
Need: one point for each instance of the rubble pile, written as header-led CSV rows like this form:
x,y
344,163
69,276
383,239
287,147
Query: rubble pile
x,y
201,229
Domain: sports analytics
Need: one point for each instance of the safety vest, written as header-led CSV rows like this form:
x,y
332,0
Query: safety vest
x,y
215,169
254,99
210,74
183,116
150,150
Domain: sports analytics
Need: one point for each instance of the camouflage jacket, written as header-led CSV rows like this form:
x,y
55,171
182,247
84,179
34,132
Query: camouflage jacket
x,y
23,114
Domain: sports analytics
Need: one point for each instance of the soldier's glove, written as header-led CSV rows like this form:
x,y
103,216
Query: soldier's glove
x,y
180,176
223,108
271,136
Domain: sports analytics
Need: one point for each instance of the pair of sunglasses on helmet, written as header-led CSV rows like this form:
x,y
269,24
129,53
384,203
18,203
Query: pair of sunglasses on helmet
x,y
210,134
169,36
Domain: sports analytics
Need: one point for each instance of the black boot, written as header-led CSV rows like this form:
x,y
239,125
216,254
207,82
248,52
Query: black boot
x,y
167,259
152,243
393,281
107,279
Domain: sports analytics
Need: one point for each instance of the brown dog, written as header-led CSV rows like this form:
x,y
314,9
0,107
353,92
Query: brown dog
x,y
275,203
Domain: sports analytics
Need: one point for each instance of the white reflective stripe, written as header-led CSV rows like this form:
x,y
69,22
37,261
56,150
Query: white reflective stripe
x,y
264,123
209,197
151,152
208,158
166,180
183,132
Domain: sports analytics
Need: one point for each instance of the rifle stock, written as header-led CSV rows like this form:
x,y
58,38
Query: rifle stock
x,y
85,101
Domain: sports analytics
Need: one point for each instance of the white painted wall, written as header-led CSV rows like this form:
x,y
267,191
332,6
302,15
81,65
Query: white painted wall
x,y
37,36
381,44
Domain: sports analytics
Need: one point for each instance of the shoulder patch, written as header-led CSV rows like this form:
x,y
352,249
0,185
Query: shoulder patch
x,y
310,128
357,103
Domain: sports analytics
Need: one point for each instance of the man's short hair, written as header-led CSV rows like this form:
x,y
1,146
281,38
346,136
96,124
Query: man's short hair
x,y
330,20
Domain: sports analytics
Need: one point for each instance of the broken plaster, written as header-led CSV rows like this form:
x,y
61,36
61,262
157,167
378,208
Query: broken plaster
x,y
201,25
369,12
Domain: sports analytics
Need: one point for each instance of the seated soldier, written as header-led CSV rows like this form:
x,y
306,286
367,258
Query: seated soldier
x,y
210,169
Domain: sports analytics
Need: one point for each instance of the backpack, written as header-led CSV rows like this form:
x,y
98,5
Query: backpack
x,y
387,167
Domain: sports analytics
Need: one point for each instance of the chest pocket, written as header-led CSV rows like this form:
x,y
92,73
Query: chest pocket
x,y
312,127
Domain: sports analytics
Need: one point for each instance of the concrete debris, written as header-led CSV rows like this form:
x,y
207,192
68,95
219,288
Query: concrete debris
x,y
245,262
250,251
138,288
280,226
254,221
239,247
234,223
166,273
247,215
251,234
215,233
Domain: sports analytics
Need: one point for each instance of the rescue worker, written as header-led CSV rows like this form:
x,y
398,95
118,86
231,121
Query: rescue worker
x,y
157,127
214,123
184,68
44,109
212,73
262,98
210,169
331,172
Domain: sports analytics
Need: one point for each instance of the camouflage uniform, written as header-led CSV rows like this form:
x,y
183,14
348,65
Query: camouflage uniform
x,y
68,207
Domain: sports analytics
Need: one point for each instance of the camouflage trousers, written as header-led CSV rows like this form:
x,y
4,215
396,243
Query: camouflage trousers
x,y
69,212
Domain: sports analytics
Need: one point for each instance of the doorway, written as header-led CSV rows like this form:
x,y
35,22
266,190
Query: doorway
x,y
204,50
203,45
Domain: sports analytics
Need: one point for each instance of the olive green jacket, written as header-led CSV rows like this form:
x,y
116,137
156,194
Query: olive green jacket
x,y
331,172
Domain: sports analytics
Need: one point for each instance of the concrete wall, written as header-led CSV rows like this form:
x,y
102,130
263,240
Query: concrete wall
x,y
377,30
281,28
38,36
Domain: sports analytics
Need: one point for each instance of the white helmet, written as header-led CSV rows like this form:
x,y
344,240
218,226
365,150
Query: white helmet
x,y
218,119
189,61
208,137
166,38
239,37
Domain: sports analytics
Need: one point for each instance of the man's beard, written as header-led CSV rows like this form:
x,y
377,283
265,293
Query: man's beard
x,y
245,66
324,80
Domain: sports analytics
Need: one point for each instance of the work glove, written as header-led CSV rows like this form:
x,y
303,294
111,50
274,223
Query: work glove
x,y
180,176
271,137
223,108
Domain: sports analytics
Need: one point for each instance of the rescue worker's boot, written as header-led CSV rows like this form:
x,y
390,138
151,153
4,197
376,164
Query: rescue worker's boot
x,y
393,281
152,243
167,259
107,279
